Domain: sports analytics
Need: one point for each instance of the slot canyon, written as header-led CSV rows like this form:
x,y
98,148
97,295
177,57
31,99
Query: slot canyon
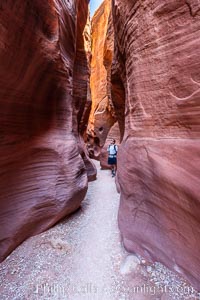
x,y
70,83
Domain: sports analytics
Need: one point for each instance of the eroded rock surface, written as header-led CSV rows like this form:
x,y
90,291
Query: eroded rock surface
x,y
43,176
156,81
102,116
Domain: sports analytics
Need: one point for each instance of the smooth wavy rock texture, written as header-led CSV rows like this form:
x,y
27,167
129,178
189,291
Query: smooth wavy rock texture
x,y
156,81
43,176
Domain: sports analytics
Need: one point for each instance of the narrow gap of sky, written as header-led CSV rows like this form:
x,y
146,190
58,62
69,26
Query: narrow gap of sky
x,y
94,4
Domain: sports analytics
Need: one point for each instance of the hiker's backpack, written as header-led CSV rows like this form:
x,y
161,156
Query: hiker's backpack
x,y
114,148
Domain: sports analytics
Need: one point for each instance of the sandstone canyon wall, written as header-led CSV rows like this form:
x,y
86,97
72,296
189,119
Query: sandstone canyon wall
x,y
102,116
43,175
156,78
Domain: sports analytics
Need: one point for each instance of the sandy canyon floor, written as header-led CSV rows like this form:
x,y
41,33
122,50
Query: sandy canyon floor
x,y
82,257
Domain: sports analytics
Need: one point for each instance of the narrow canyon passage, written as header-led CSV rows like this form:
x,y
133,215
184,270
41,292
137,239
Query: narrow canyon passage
x,y
69,84
82,258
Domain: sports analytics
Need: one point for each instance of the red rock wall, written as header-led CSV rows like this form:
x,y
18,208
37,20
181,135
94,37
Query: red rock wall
x,y
156,79
81,86
102,115
43,176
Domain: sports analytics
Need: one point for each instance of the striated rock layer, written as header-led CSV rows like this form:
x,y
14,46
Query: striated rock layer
x,y
43,176
102,116
156,82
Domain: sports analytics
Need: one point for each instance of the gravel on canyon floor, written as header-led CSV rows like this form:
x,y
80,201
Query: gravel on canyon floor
x,y
82,257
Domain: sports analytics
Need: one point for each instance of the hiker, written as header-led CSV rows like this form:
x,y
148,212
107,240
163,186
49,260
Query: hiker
x,y
112,156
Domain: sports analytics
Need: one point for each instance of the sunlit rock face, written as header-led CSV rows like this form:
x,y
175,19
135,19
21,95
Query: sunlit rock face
x,y
156,79
102,116
43,175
